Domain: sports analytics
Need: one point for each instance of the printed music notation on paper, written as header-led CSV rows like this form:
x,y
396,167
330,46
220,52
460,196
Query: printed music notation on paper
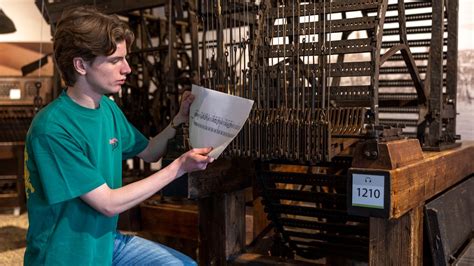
x,y
216,118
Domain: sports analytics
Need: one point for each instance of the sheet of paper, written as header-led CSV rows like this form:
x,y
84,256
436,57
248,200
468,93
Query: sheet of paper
x,y
215,119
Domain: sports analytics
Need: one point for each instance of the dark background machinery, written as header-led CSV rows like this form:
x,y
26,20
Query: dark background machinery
x,y
348,69
20,99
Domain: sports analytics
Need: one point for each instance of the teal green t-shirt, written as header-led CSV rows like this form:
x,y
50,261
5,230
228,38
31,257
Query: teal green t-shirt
x,y
71,150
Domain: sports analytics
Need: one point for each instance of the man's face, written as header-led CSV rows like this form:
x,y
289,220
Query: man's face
x,y
106,74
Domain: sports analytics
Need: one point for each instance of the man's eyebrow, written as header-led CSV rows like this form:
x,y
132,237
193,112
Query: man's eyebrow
x,y
116,57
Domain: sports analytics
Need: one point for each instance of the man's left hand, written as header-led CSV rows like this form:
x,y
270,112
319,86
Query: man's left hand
x,y
183,115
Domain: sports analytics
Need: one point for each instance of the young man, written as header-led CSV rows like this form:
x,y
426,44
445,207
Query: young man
x,y
74,152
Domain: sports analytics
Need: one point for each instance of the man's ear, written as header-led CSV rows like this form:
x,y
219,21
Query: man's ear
x,y
80,65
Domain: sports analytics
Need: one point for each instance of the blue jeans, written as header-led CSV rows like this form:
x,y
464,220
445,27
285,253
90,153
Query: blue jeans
x,y
133,250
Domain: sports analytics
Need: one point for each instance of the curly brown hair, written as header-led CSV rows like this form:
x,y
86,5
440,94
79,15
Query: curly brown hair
x,y
87,33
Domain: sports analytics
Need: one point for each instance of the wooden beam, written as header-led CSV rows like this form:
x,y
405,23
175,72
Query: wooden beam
x,y
414,180
414,184
260,220
221,227
391,155
170,219
252,259
8,150
398,241
223,175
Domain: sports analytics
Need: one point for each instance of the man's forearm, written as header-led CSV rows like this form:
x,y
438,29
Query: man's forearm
x,y
111,202
157,146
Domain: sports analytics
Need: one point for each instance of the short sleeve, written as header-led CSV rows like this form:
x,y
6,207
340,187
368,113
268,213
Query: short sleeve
x,y
133,141
64,170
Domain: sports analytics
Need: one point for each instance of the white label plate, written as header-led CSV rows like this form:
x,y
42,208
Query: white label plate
x,y
368,190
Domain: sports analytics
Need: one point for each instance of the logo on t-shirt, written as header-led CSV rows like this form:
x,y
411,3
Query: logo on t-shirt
x,y
114,143
29,189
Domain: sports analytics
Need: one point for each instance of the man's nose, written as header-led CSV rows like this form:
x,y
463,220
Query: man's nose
x,y
126,68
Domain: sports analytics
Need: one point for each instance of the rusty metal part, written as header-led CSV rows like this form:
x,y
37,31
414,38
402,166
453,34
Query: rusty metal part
x,y
435,56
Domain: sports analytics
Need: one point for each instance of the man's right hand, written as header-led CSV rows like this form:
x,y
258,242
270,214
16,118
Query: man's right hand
x,y
194,160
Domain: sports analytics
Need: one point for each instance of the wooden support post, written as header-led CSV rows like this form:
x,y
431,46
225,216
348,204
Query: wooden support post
x,y
221,204
260,220
397,241
221,227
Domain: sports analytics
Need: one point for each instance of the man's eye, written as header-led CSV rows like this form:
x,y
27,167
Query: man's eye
x,y
115,61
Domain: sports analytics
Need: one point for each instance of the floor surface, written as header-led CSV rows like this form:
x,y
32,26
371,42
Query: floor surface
x,y
12,238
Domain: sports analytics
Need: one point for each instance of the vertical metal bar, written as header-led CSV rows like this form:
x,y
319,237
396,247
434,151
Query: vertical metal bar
x,y
402,27
436,77
376,62
171,81
284,56
204,52
219,43
452,61
407,56
322,60
193,28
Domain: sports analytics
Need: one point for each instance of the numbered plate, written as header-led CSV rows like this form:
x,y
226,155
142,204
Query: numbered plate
x,y
368,190
369,193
